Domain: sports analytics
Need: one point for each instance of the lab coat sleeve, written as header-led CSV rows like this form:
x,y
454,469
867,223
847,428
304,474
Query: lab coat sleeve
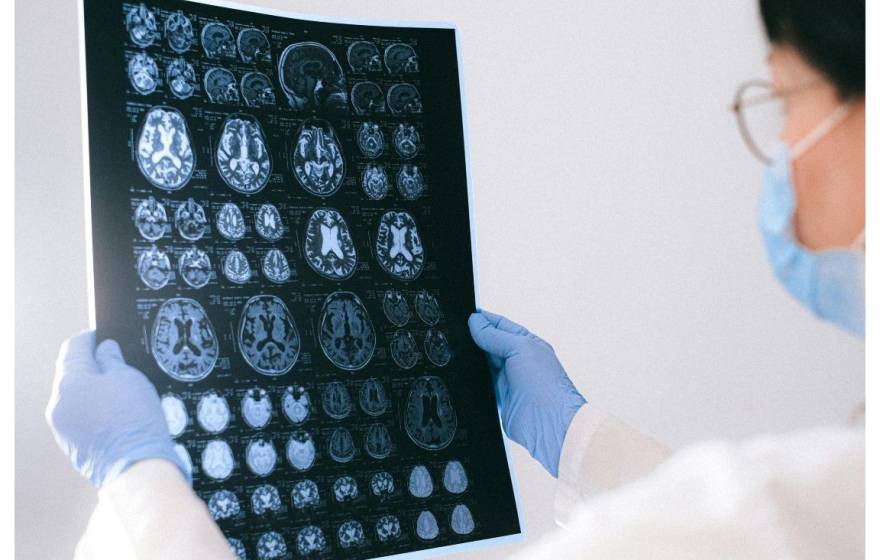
x,y
150,512
797,496
600,453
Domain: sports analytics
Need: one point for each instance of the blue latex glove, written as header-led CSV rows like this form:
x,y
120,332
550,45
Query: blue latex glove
x,y
537,399
106,415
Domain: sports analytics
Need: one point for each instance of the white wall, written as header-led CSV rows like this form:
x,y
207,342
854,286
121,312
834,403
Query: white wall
x,y
615,217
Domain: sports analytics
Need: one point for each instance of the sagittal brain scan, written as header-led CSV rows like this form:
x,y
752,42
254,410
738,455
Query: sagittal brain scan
x,y
370,140
350,534
427,307
373,398
340,445
345,331
310,540
236,268
454,477
256,90
421,485
426,526
143,73
317,158
256,408
164,153
437,347
183,341
260,457
296,404
374,182
194,267
213,413
275,266
230,222
175,414
336,400
223,504
312,78
190,220
242,156
328,246
404,99
217,41
267,222
140,22
267,335
430,419
401,58
220,86
180,76
217,460
382,484
367,98
406,140
265,499
271,546
410,183
301,451
399,248
179,32
377,441
363,56
150,219
396,309
388,528
461,520
305,494
345,489
154,268
404,350
253,46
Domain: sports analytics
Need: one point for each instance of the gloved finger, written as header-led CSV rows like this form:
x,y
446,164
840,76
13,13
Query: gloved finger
x,y
109,355
491,339
76,355
502,389
505,324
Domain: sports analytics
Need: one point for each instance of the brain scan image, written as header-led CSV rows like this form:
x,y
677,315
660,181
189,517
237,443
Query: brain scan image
x,y
399,248
388,528
213,413
140,22
190,220
429,418
154,268
253,46
426,526
256,408
260,457
312,78
461,520
217,41
194,267
345,489
396,309
377,441
296,404
143,73
150,219
237,549
310,539
164,153
404,350
275,267
271,546
336,400
305,494
345,331
427,307
400,59
410,183
230,222
217,460
367,98
183,455
175,414
373,398
340,445
350,534
179,32
267,222
236,268
220,85
404,99
421,485
454,477
406,140
363,56
181,78
301,451
256,90
437,347
370,140
223,504
374,182
329,248
382,485
317,160
267,335
243,159
265,499
183,341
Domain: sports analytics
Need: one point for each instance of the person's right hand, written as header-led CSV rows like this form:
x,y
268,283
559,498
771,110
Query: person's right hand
x,y
537,399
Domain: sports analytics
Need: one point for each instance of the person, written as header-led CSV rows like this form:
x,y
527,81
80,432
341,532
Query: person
x,y
620,493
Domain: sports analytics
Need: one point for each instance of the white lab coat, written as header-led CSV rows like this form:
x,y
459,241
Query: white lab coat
x,y
620,495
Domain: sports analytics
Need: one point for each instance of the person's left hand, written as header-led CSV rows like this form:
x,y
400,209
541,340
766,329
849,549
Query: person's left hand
x,y
105,414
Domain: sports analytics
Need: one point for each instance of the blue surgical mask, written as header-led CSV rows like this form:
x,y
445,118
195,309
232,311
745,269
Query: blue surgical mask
x,y
829,283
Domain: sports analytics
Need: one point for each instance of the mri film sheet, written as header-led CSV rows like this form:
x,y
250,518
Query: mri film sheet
x,y
281,241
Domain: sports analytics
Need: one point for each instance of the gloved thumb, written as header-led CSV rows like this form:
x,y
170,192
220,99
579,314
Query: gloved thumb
x,y
491,339
109,355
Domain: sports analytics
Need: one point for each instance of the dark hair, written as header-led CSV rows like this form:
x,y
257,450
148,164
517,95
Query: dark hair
x,y
830,34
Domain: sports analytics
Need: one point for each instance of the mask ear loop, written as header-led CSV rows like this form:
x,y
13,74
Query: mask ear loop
x,y
819,132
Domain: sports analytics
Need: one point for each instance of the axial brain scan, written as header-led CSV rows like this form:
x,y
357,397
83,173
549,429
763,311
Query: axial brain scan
x,y
179,32
312,78
404,99
340,445
190,220
275,266
267,222
404,350
253,46
374,182
256,408
304,494
140,22
373,398
217,460
382,485
399,249
345,489
377,441
230,222
154,268
164,154
461,520
345,331
317,159
217,41
328,247
301,450
271,546
370,140
410,183
350,534
406,140
150,219
183,455
401,58
236,268
256,89
267,335
310,539
296,404
260,457
429,418
336,400
367,98
437,347
143,73
194,267
220,85
363,56
454,477
213,413
427,307
223,504
421,485
243,159
388,528
396,309
265,499
183,341
175,414
181,78
237,548
426,526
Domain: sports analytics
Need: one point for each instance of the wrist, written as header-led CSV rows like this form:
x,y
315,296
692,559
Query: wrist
x,y
160,450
